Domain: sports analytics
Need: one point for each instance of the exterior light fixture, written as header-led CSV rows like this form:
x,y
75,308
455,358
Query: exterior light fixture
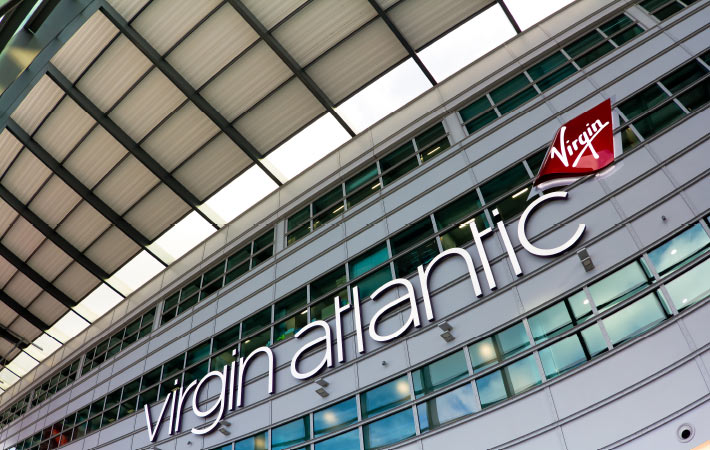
x,y
223,430
321,390
583,255
446,328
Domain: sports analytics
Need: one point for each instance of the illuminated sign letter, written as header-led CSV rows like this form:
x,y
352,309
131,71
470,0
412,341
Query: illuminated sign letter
x,y
543,251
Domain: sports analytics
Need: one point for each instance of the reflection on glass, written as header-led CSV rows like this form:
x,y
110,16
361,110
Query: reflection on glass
x,y
618,286
635,319
439,374
335,417
345,441
290,434
594,341
389,430
496,348
690,287
257,442
562,356
680,250
511,380
385,397
445,408
560,317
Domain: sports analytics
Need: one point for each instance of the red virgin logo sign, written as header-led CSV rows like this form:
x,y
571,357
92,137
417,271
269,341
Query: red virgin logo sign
x,y
582,146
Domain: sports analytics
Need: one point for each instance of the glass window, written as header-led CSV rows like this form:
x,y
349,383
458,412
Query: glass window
x,y
511,87
389,430
589,48
362,185
325,308
642,101
398,163
659,119
496,348
680,250
535,161
439,374
369,284
618,286
454,213
478,114
560,317
345,441
691,287
408,262
562,356
257,442
683,76
290,304
432,142
226,338
511,380
551,71
584,43
385,397
366,262
328,282
696,96
334,418
262,339
257,321
291,434
663,12
298,218
290,326
446,407
198,353
328,207
635,319
505,182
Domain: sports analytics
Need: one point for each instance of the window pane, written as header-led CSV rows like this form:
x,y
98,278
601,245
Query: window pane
x,y
257,321
325,308
198,371
262,256
690,287
504,182
372,282
290,304
257,442
198,353
298,218
460,235
511,87
290,434
405,238
226,338
584,43
445,408
512,205
345,441
439,374
683,76
619,285
260,340
517,100
368,260
385,397
290,326
562,356
367,180
635,319
508,381
615,24
389,430
626,35
643,101
594,340
680,250
408,263
498,347
328,282
298,234
404,156
264,240
658,119
328,207
476,108
550,322
335,417
554,78
696,96
546,66
457,210
239,256
431,137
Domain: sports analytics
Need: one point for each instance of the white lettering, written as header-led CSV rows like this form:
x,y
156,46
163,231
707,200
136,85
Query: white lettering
x,y
327,360
541,251
413,311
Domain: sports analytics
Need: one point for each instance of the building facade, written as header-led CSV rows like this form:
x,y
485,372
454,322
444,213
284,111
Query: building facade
x,y
603,345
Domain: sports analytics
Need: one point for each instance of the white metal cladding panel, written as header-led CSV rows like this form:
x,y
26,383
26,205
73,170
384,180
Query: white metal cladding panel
x,y
271,13
246,81
7,216
23,328
22,289
215,43
145,106
49,260
84,46
95,157
126,184
25,176
128,8
420,21
7,270
320,25
82,226
76,281
281,114
157,211
211,167
164,22
112,249
63,129
47,308
116,70
37,104
179,136
384,4
10,147
22,239
54,201
357,61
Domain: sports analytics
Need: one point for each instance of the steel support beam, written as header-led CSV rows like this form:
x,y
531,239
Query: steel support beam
x,y
402,40
74,183
124,139
287,59
186,88
51,234
509,16
23,312
36,278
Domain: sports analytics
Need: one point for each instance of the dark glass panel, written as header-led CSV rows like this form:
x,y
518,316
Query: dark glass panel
x,y
298,218
404,160
328,282
257,321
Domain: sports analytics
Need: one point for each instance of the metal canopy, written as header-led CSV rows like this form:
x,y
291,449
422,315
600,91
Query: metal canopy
x,y
152,106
